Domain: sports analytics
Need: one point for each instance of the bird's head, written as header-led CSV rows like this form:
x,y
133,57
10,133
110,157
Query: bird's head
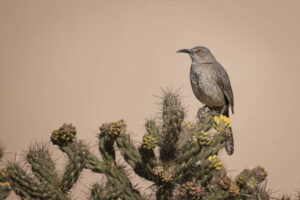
x,y
199,54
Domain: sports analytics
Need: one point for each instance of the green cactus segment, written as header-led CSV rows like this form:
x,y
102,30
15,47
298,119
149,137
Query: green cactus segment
x,y
27,188
4,190
77,154
149,142
5,187
106,193
129,151
205,120
94,164
147,152
96,192
106,148
64,135
42,165
134,158
251,179
172,116
117,178
165,192
149,159
153,130
108,133
194,156
187,160
218,143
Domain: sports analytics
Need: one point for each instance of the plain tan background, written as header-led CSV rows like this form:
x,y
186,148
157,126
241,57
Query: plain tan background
x,y
89,62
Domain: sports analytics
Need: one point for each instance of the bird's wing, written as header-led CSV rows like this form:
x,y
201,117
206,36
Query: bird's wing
x,y
224,83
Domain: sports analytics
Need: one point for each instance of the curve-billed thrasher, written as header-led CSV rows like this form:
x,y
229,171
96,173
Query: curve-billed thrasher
x,y
211,84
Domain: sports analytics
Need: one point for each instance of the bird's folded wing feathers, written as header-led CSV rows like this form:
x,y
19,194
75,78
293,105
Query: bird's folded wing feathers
x,y
224,83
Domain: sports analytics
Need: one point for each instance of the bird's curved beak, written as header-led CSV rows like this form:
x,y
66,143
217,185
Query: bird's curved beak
x,y
184,51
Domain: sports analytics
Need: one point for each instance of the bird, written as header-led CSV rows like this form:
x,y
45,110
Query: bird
x,y
211,85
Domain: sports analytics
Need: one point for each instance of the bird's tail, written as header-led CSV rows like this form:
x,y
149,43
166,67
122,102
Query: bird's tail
x,y
229,145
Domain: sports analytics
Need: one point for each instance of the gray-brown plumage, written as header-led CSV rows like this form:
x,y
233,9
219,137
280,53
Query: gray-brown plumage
x,y
211,84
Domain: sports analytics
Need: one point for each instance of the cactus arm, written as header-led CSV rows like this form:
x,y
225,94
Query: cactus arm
x,y
5,187
117,178
128,151
172,116
42,165
149,162
106,193
4,190
25,186
94,164
153,130
77,154
135,159
165,192
187,160
106,148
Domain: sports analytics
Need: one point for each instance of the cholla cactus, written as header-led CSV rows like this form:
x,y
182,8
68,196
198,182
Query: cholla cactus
x,y
180,159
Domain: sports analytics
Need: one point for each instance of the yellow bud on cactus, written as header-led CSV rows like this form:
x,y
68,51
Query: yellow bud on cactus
x,y
113,129
189,125
4,173
253,183
166,175
63,135
215,162
191,190
149,142
222,123
204,138
234,190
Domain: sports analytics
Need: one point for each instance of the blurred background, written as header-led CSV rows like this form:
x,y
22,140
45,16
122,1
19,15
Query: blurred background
x,y
89,62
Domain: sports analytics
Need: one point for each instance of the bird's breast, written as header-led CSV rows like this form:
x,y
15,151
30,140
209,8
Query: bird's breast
x,y
205,87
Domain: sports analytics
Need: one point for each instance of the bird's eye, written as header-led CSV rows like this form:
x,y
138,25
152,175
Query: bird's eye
x,y
199,51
